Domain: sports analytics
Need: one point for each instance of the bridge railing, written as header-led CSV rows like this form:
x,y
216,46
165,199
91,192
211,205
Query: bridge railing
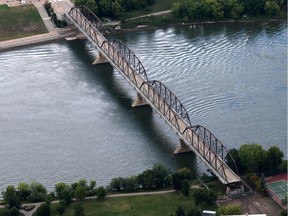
x,y
171,99
131,58
214,144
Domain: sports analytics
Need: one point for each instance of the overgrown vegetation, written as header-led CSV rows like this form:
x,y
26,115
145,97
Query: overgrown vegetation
x,y
52,14
227,9
13,25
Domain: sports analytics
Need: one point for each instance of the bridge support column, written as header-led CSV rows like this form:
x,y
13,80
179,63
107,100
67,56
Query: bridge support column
x,y
182,148
100,59
139,101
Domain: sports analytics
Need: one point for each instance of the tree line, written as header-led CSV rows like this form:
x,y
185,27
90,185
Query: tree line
x,y
113,8
220,9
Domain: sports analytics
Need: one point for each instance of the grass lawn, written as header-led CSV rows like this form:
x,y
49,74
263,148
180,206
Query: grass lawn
x,y
165,204
21,21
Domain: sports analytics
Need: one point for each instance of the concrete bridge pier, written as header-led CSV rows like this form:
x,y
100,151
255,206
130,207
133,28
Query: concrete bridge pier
x,y
100,59
182,148
139,101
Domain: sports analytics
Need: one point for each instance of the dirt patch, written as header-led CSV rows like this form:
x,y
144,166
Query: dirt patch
x,y
255,204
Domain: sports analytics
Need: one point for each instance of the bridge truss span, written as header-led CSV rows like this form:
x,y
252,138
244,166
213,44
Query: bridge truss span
x,y
197,138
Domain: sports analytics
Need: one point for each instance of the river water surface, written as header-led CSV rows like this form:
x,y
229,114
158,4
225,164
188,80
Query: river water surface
x,y
62,118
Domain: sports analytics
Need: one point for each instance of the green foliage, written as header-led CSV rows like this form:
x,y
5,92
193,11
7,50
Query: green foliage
x,y
78,209
24,190
89,189
91,4
204,195
232,8
11,197
157,177
185,188
194,212
283,166
10,212
229,210
219,9
212,9
274,159
116,184
271,8
253,157
235,155
38,192
180,211
64,191
14,212
101,193
61,207
254,7
43,210
80,192
179,176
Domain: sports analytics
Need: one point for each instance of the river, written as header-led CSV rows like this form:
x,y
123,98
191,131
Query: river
x,y
63,119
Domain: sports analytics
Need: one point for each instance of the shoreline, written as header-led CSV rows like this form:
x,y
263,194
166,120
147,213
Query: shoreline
x,y
137,28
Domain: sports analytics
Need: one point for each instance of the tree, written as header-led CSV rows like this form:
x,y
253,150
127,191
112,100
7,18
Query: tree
x,y
14,212
10,212
271,8
283,166
101,193
179,176
92,186
24,190
253,157
180,211
116,184
234,153
11,197
185,188
161,176
91,4
80,193
229,210
130,184
43,210
232,8
212,9
61,207
274,158
194,212
38,192
64,191
204,195
253,7
145,179
78,209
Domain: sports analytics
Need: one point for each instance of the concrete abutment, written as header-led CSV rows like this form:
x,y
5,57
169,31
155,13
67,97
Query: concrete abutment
x,y
182,148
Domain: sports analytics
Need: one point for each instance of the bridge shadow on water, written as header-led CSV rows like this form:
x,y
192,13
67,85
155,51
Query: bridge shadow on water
x,y
155,130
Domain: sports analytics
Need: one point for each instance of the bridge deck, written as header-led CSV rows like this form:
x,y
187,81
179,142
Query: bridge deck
x,y
152,96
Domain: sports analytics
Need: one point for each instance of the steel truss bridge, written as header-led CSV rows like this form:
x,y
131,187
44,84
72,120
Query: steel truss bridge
x,y
154,93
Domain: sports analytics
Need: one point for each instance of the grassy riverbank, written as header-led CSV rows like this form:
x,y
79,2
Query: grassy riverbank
x,y
165,204
21,21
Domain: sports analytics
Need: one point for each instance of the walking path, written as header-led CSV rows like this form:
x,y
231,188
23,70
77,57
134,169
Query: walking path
x,y
151,14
